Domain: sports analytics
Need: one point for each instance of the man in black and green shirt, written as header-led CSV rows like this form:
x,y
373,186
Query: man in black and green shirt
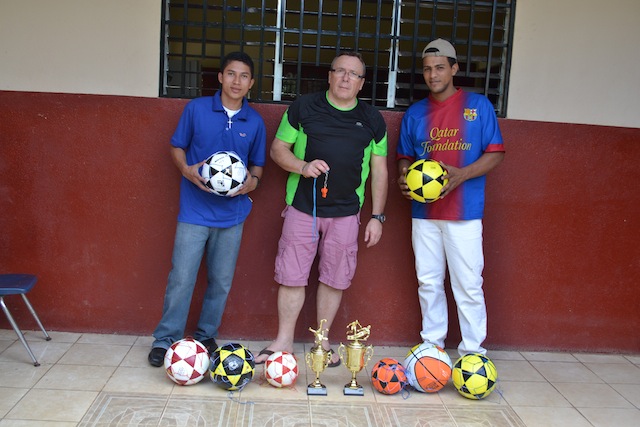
x,y
330,143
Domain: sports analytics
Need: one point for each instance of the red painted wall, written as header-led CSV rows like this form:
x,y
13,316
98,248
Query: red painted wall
x,y
88,202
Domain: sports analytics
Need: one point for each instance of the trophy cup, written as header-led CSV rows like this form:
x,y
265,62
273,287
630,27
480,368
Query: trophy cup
x,y
354,358
317,360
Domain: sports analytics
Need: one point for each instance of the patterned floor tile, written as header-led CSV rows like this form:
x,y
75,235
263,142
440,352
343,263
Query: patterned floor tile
x,y
121,409
450,416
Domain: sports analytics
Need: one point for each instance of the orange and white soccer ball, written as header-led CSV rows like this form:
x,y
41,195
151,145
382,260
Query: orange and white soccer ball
x,y
428,367
281,369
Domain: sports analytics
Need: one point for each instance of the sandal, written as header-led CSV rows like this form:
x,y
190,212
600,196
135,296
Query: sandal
x,y
263,352
333,364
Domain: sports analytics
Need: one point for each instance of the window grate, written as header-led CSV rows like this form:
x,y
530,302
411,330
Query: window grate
x,y
293,42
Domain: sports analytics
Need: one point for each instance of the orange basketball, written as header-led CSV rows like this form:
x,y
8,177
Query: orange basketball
x,y
428,367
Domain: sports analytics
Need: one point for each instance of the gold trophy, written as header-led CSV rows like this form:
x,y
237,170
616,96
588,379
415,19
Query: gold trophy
x,y
318,359
354,359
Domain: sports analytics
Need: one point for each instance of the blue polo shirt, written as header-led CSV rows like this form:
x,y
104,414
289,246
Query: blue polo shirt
x,y
204,129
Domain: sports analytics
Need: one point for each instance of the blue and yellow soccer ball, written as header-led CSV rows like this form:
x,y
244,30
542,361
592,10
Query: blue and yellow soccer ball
x,y
425,179
232,366
474,376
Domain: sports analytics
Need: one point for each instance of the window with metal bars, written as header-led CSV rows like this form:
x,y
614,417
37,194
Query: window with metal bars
x,y
293,42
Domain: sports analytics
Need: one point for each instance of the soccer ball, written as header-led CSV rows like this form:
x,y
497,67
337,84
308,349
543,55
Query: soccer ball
x,y
186,361
428,367
474,376
225,172
281,369
232,366
425,179
388,376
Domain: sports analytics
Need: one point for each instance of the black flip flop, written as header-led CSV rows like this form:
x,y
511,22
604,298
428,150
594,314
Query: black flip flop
x,y
264,351
333,364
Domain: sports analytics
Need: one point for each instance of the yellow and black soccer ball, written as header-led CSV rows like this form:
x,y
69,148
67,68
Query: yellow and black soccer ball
x,y
474,376
425,179
232,366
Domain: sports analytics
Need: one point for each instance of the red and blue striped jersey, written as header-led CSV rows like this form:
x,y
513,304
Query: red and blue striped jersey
x,y
456,132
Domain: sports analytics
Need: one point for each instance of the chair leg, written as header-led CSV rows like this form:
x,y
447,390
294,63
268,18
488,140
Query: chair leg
x,y
18,331
35,316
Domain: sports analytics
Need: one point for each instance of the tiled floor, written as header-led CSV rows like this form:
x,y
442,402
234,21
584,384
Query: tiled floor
x,y
105,380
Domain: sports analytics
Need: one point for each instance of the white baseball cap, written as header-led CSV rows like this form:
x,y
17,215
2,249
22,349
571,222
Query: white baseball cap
x,y
440,47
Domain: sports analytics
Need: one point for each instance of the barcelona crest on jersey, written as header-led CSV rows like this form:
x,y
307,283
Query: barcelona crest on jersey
x,y
470,114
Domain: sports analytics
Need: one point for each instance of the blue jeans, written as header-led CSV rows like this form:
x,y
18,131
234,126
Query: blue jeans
x,y
222,246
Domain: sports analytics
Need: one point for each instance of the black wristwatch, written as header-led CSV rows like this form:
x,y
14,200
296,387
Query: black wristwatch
x,y
379,217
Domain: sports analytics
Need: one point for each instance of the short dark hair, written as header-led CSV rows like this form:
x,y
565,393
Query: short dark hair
x,y
237,56
353,54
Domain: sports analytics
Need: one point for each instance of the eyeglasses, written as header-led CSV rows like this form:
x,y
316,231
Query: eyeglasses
x,y
340,72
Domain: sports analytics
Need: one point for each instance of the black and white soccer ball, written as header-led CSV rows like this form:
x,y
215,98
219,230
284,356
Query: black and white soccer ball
x,y
225,173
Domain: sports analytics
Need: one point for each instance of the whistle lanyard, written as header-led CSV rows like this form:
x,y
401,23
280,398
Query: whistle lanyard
x,y
324,191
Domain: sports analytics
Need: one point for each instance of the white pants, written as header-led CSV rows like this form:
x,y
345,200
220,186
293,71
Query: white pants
x,y
457,244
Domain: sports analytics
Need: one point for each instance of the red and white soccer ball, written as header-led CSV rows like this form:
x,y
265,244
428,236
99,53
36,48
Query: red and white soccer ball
x,y
186,361
281,369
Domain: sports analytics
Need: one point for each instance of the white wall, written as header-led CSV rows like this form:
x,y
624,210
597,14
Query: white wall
x,y
80,46
574,61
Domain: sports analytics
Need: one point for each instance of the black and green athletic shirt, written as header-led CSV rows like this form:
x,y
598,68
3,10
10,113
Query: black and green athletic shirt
x,y
345,139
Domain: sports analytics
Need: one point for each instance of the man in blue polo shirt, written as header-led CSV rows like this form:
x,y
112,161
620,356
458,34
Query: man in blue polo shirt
x,y
208,222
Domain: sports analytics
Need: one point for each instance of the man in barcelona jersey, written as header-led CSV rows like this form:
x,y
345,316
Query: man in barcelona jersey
x,y
459,130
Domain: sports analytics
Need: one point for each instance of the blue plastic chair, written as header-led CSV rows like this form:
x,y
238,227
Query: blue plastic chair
x,y
20,284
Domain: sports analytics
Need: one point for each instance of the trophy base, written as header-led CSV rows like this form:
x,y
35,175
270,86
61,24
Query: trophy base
x,y
316,391
353,391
